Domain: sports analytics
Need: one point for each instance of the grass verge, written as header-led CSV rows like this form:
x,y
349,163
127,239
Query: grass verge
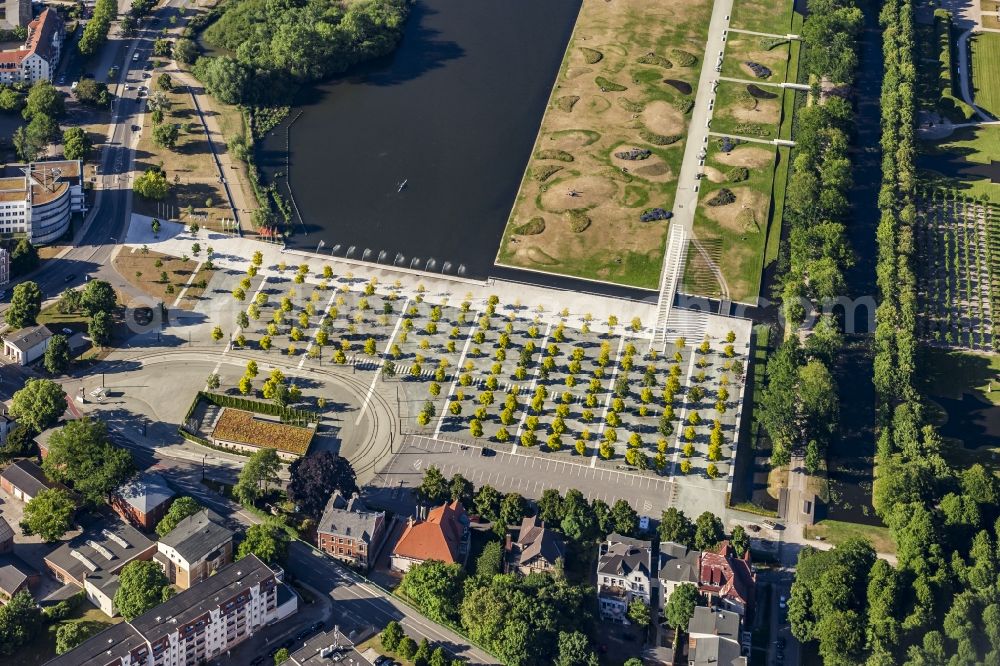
x,y
837,532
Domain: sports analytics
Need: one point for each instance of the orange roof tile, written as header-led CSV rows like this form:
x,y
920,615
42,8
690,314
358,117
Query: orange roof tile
x,y
437,538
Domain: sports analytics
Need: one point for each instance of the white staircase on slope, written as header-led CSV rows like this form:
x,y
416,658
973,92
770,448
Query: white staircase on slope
x,y
673,267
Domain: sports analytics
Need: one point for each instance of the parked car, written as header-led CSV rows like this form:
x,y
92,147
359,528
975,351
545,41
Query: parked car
x,y
487,452
69,278
67,331
782,602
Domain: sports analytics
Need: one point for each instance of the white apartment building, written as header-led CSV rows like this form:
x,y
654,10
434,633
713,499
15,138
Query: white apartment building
x,y
194,626
623,574
38,199
38,58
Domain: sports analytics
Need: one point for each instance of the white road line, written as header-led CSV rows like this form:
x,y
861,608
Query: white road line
x,y
458,371
681,419
381,362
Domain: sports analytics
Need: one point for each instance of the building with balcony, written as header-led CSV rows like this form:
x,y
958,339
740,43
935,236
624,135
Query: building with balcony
x,y
37,59
193,627
37,200
350,532
623,575
195,549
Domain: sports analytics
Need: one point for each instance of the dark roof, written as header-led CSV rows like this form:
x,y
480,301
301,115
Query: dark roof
x,y
164,619
146,492
107,536
201,598
343,517
197,535
119,639
318,649
722,623
535,541
622,555
28,476
678,563
14,572
714,651
28,338
6,533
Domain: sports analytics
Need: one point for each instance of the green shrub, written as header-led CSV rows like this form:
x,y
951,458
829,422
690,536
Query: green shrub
x,y
737,174
747,220
553,154
592,56
630,106
723,197
543,172
768,43
609,86
578,220
659,139
753,129
654,59
535,225
567,102
682,57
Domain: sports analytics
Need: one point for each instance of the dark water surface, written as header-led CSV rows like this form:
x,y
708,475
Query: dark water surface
x,y
454,111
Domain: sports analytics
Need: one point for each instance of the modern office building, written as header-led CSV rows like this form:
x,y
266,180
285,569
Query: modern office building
x,y
37,200
194,626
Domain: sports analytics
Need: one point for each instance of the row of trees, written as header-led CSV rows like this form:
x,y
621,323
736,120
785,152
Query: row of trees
x,y
278,46
395,640
941,603
95,34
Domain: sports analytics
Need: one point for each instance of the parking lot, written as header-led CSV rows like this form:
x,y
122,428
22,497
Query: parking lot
x,y
509,471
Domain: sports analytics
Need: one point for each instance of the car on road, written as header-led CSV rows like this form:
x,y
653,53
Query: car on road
x,y
316,626
135,128
135,57
770,524
67,331
782,602
258,660
382,660
69,278
302,634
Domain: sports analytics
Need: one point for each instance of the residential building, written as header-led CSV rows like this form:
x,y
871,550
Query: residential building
x,y
330,648
727,580
444,536
196,625
14,13
623,574
714,638
195,549
37,59
24,479
678,564
723,578
4,267
26,345
350,532
93,559
15,574
144,500
37,200
535,550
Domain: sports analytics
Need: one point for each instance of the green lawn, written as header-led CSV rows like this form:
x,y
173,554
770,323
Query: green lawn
x,y
986,71
770,16
949,374
966,151
837,532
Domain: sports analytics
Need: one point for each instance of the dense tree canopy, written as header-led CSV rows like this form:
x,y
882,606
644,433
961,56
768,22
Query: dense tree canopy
x,y
49,514
258,474
315,477
81,455
39,404
180,508
268,542
141,584
25,304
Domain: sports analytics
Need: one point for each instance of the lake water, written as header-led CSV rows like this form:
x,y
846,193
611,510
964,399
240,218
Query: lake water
x,y
454,112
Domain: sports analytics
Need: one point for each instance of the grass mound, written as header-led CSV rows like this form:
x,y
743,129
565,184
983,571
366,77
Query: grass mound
x,y
532,227
543,172
578,220
683,104
553,154
634,196
737,174
608,85
589,136
747,220
659,139
630,106
566,103
592,56
682,57
655,59
539,256
723,197
746,100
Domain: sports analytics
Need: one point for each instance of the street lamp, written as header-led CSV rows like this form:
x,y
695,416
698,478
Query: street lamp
x,y
203,466
321,244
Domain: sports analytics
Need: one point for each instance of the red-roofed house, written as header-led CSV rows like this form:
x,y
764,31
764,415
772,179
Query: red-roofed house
x,y
37,59
444,536
728,580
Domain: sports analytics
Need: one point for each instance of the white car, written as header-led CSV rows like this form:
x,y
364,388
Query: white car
x,y
782,602
68,331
